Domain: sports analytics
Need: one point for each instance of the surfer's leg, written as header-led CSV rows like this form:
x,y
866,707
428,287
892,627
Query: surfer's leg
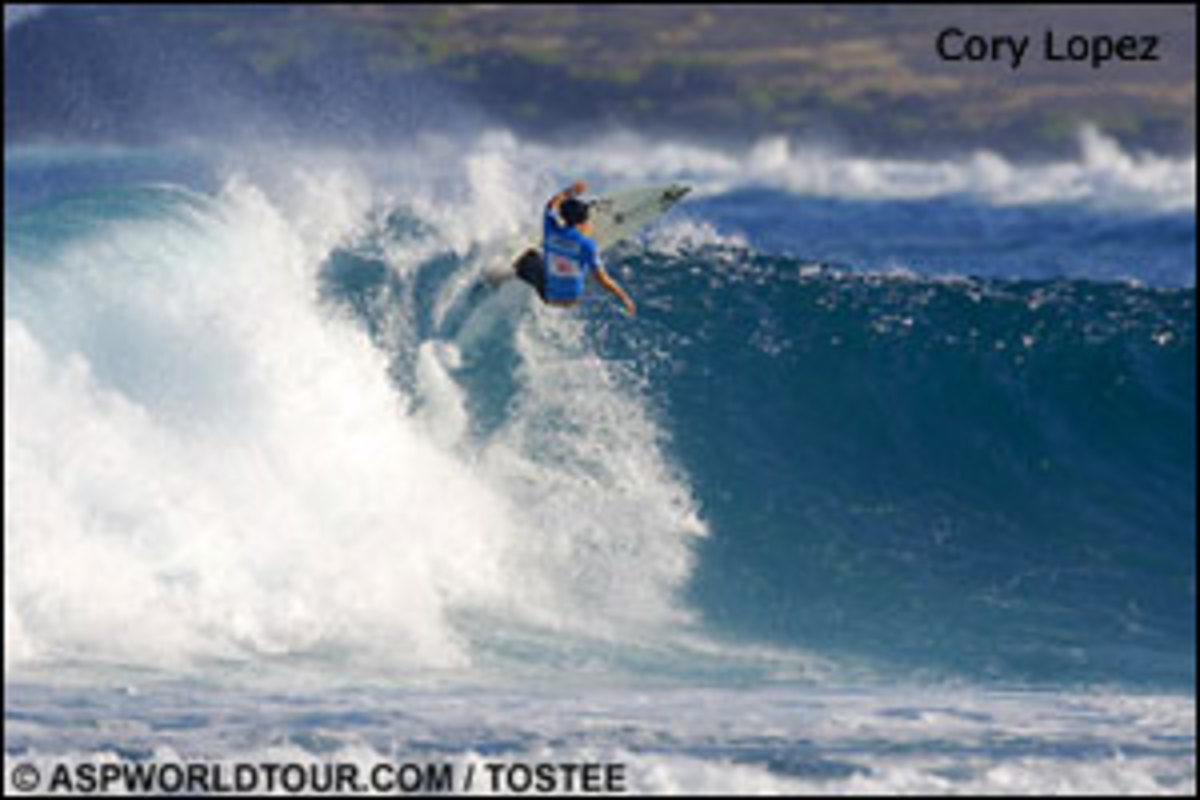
x,y
530,269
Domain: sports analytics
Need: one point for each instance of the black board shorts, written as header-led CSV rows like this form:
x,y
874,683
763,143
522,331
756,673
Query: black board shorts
x,y
532,270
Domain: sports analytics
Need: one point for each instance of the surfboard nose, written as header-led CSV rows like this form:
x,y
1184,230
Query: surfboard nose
x,y
676,191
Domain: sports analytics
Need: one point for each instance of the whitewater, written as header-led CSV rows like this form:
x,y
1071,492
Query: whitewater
x,y
908,512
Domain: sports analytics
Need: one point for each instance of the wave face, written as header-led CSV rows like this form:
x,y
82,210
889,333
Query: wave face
x,y
265,417
984,475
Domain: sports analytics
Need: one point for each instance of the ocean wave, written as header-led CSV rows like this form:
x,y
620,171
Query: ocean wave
x,y
976,475
296,428
210,461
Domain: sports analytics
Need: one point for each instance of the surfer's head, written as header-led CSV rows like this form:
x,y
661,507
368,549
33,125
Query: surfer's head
x,y
574,211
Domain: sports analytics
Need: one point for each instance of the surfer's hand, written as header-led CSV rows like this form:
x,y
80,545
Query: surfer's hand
x,y
578,188
630,308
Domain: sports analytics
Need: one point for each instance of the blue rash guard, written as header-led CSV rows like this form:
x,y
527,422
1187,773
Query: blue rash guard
x,y
569,256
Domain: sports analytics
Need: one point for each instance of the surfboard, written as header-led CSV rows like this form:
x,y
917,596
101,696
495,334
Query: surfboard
x,y
621,215
614,217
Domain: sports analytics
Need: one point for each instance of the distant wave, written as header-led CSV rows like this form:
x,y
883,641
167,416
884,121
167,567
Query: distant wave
x,y
1104,175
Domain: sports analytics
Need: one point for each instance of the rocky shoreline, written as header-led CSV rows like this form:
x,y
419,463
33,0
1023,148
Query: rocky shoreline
x,y
880,80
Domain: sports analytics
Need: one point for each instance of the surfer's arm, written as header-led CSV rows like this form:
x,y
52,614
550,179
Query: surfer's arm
x,y
606,280
574,190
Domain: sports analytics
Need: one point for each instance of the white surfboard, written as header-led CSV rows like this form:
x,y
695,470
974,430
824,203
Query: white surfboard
x,y
623,214
614,218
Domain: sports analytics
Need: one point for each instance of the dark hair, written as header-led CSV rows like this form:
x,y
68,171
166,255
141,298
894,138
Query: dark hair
x,y
573,211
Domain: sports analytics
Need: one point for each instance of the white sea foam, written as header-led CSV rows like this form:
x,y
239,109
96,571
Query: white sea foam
x,y
895,740
1103,175
681,233
202,460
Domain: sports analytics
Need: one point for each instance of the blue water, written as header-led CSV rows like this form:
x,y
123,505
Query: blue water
x,y
958,235
983,476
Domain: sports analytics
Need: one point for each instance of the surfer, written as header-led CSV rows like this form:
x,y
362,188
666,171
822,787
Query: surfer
x,y
568,254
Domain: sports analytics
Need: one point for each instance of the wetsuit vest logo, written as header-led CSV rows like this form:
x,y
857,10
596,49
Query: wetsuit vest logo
x,y
563,267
